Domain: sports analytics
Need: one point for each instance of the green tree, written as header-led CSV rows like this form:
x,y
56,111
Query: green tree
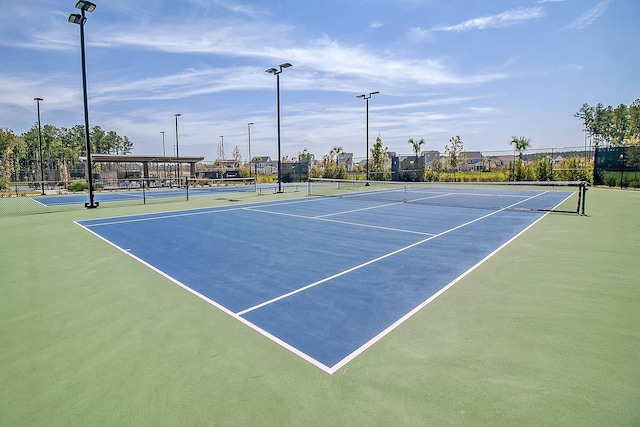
x,y
306,156
574,168
520,144
620,125
456,156
415,145
331,168
586,114
12,148
542,168
634,123
379,156
99,140
335,151
237,157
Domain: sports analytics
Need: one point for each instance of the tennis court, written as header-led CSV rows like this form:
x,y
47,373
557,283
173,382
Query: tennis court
x,y
142,192
327,277
541,333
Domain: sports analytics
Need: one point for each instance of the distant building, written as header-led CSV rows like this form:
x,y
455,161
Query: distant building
x,y
474,162
429,158
347,160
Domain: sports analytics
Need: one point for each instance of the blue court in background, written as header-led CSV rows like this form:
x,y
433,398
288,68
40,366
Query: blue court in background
x,y
137,195
324,277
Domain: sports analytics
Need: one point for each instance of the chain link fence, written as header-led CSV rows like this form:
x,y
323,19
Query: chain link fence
x,y
617,167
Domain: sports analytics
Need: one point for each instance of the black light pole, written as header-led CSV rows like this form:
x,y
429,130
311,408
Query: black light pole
x,y
621,169
249,131
177,149
80,19
221,156
164,164
40,144
366,98
276,72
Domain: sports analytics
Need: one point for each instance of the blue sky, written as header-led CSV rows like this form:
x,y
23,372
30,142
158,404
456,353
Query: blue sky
x,y
484,70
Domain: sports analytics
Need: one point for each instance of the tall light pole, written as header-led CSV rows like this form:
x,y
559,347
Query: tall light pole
x,y
366,98
622,169
164,164
177,150
40,144
276,72
80,19
221,156
249,131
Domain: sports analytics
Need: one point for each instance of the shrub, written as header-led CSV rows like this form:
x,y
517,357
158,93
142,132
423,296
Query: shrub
x,y
77,186
610,180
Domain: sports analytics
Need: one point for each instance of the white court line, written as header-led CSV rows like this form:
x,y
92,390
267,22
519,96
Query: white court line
x,y
380,258
321,218
404,318
189,212
222,308
378,206
491,195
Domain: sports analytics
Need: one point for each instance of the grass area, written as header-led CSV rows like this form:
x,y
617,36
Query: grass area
x,y
544,333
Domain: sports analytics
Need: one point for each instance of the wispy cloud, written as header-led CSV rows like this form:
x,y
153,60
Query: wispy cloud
x,y
231,6
589,16
504,19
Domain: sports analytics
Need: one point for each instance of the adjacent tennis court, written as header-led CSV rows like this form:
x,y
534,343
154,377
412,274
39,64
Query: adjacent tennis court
x,y
327,277
141,190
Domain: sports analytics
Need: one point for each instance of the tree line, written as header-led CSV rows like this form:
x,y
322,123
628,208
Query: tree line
x,y
61,150
619,126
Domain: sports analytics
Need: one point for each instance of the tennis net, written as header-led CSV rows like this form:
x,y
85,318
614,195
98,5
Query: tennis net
x,y
547,196
204,185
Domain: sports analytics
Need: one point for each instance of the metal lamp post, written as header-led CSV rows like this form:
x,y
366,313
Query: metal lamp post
x,y
249,131
621,169
221,157
164,164
177,150
80,19
366,98
40,144
276,72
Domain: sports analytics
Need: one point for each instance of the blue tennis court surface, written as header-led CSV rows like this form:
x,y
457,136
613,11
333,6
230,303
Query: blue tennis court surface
x,y
137,194
324,277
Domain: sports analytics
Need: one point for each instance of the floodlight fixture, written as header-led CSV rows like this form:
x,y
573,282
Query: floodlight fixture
x,y
76,18
86,6
276,71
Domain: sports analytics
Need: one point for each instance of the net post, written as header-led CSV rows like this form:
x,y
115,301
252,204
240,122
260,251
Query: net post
x,y
187,187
